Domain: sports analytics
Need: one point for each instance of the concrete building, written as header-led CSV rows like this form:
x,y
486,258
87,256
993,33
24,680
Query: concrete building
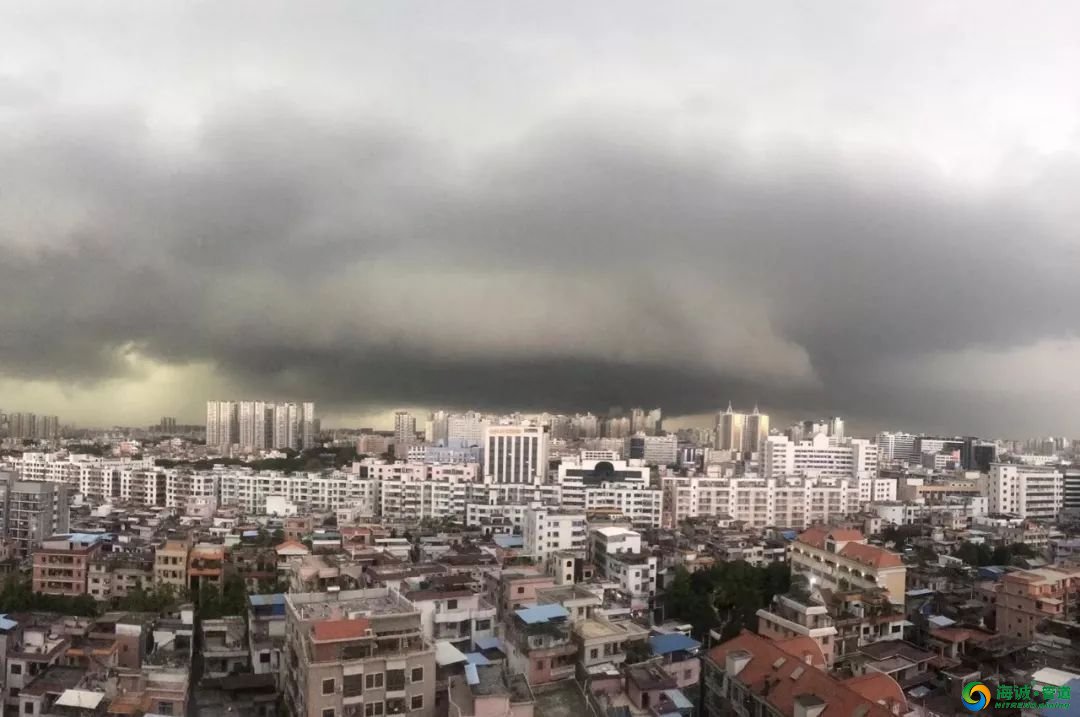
x,y
170,565
490,691
729,430
896,447
356,653
653,450
222,424
854,458
1027,598
618,556
62,563
842,559
550,530
755,431
404,428
31,511
791,502
515,454
1033,492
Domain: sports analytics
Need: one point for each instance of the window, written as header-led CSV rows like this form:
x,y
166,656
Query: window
x,y
28,708
328,713
328,687
263,658
395,680
165,708
451,604
483,625
374,681
594,653
395,706
16,669
418,674
373,709
353,685
521,591
417,702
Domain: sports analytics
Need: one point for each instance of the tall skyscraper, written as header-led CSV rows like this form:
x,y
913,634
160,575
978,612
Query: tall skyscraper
x,y
48,428
729,430
404,428
755,431
654,423
308,433
222,424
515,454
437,430
286,426
637,421
836,427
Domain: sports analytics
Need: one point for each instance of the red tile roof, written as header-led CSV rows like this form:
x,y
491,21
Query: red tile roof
x,y
291,544
789,678
871,555
816,535
880,688
803,647
329,630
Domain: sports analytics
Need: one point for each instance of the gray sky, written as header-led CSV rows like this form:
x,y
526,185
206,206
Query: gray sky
x,y
838,207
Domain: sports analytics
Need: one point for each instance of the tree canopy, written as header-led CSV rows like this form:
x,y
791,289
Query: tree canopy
x,y
727,596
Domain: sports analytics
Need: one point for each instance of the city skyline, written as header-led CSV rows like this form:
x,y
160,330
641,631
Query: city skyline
x,y
378,206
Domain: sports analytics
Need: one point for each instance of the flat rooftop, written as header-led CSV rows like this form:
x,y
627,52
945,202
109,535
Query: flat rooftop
x,y
590,629
336,606
562,593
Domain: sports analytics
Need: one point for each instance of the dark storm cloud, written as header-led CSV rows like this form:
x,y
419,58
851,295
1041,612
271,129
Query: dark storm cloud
x,y
360,265
377,207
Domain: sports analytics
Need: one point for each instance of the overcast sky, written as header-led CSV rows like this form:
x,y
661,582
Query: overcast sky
x,y
865,209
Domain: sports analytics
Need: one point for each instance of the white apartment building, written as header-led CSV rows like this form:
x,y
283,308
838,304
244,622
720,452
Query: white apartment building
x,y
515,453
654,450
222,424
549,530
1034,492
853,458
617,554
877,489
896,447
793,501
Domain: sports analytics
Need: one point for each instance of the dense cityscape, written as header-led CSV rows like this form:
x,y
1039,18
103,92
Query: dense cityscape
x,y
437,358
463,563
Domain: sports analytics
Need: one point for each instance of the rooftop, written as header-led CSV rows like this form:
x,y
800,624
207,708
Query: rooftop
x,y
368,603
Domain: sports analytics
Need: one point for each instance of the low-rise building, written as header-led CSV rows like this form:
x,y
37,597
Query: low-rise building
x,y
841,559
62,563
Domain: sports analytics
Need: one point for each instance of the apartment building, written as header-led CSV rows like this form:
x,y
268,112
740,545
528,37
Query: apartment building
x,y
1027,598
490,690
356,653
460,617
796,616
842,559
821,456
617,554
515,453
31,511
550,530
62,563
1032,492
540,643
794,502
114,576
170,565
753,675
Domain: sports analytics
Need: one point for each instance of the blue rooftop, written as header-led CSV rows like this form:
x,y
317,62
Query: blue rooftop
x,y
275,599
674,642
680,700
542,613
471,675
476,658
488,643
510,541
6,624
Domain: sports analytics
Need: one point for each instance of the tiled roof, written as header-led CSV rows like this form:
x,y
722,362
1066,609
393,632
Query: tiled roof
x,y
291,545
816,535
871,555
879,687
328,630
803,647
779,678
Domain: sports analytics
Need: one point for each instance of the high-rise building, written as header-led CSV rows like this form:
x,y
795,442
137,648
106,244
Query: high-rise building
x,y
586,426
167,425
755,431
436,431
31,511
729,430
222,424
637,420
654,422
1033,492
308,431
656,450
465,429
617,427
48,428
286,426
550,530
836,427
404,428
515,454
22,426
898,447
855,458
